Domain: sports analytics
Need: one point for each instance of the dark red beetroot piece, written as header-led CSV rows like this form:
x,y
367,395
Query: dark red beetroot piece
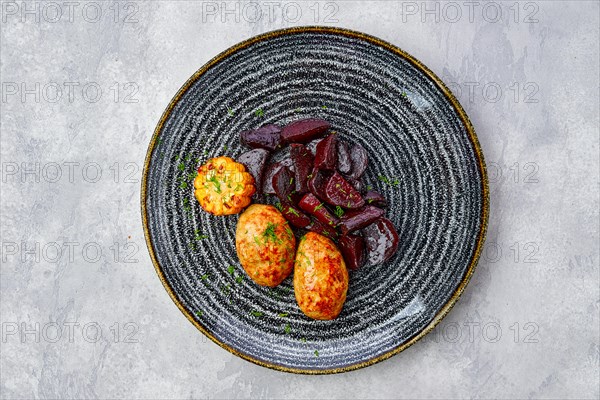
x,y
283,184
317,182
305,130
375,199
326,156
266,137
382,241
255,161
322,229
359,158
270,171
312,145
295,216
339,192
357,184
356,219
344,164
303,162
353,250
312,205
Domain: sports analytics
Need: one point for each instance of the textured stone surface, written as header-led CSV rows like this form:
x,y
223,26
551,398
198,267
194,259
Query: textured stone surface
x,y
528,323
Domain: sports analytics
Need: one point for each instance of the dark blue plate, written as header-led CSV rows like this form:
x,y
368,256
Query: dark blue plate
x,y
424,158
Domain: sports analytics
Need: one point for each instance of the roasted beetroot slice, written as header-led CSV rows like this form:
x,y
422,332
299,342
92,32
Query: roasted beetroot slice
x,y
357,219
283,184
303,164
270,171
353,250
357,184
317,182
312,145
305,130
375,199
344,164
338,192
312,205
266,137
326,156
322,229
381,239
359,159
295,216
255,161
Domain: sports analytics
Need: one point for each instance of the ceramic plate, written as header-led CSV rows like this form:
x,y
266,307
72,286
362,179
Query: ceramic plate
x,y
424,158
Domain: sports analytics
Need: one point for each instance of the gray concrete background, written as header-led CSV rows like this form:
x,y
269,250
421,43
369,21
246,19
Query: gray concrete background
x,y
83,312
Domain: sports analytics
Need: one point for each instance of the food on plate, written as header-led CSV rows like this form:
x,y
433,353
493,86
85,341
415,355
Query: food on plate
x,y
357,219
255,161
295,216
312,205
382,241
359,160
266,137
265,245
223,187
353,250
319,190
322,229
326,155
304,130
283,184
375,199
317,181
320,277
303,162
338,192
344,163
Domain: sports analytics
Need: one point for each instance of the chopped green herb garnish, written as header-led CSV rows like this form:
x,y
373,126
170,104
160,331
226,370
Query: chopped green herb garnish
x,y
297,109
278,206
199,313
287,329
303,340
293,211
230,111
283,314
256,313
259,112
216,182
231,269
339,211
239,278
225,148
318,207
198,236
257,241
369,187
270,234
316,353
204,277
226,289
181,166
324,107
183,185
